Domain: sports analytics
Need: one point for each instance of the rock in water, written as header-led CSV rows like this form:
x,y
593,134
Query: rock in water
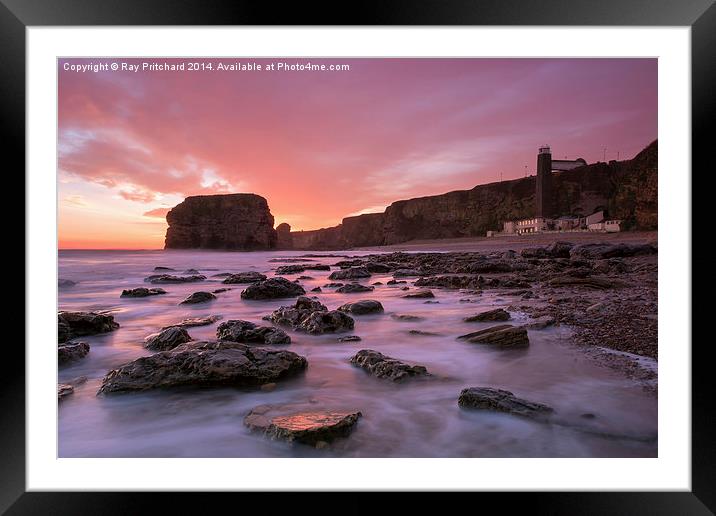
x,y
326,322
244,277
204,363
354,288
168,278
64,390
349,274
142,292
293,316
65,283
195,321
497,314
78,324
471,282
486,398
366,306
502,336
290,269
389,368
71,351
233,221
307,427
198,297
167,339
420,294
248,332
272,288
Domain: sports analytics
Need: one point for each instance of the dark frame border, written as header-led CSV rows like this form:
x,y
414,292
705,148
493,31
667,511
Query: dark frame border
x,y
700,15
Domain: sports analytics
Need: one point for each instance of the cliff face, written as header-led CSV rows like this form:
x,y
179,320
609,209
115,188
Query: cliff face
x,y
626,189
234,221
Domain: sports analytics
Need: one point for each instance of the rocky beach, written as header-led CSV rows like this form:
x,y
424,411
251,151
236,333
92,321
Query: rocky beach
x,y
501,347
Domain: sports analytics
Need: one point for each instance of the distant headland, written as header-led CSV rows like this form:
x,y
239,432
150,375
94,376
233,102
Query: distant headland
x,y
565,193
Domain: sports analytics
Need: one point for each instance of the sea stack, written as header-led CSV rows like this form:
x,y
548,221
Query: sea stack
x,y
232,221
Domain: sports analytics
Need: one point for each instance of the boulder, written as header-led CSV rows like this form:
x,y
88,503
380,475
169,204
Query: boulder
x,y
498,314
332,321
501,336
350,274
420,294
290,269
366,306
349,338
71,351
250,333
294,315
169,278
354,288
229,221
385,367
162,268
317,289
167,339
559,249
65,283
79,324
272,288
198,297
204,363
142,292
309,426
396,282
379,268
487,398
244,277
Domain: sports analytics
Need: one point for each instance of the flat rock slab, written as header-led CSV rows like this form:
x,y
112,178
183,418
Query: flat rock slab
x,y
420,294
142,292
308,427
167,339
250,333
195,321
204,363
169,278
498,314
79,324
487,398
382,366
354,288
272,288
198,297
502,336
243,277
366,306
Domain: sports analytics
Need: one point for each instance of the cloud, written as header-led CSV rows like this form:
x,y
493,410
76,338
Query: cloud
x,y
137,195
76,200
159,213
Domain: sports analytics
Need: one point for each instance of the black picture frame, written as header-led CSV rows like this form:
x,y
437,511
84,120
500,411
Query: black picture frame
x,y
17,15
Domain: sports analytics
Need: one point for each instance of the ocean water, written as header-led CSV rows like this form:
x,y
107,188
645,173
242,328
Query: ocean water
x,y
412,419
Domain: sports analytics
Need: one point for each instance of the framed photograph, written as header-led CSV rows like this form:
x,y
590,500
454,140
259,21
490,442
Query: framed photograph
x,y
429,251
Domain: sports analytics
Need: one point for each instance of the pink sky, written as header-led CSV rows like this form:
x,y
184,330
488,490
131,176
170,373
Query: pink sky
x,y
323,145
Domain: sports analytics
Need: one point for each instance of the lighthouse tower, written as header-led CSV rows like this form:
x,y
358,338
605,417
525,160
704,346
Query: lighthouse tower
x,y
543,194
